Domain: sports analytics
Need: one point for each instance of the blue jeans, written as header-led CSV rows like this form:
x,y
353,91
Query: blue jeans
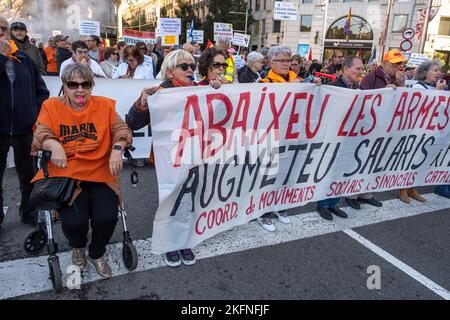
x,y
443,191
328,203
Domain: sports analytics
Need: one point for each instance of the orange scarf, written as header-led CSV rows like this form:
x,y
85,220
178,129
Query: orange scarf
x,y
14,49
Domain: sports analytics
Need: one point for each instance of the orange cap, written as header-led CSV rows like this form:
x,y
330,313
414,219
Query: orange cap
x,y
394,56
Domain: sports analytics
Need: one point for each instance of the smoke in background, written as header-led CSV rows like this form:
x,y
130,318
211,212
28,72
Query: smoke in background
x,y
43,17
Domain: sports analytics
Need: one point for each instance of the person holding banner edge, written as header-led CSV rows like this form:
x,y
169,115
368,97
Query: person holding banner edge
x,y
177,70
280,63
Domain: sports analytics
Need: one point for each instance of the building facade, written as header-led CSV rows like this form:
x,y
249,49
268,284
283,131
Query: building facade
x,y
320,26
45,17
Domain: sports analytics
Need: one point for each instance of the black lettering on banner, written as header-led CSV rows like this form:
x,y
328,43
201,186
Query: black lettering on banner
x,y
213,185
406,151
296,149
394,155
373,154
425,152
330,164
230,181
357,158
192,189
304,177
378,168
415,151
265,181
250,167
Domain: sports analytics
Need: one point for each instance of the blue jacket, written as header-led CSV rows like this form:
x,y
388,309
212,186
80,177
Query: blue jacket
x,y
20,104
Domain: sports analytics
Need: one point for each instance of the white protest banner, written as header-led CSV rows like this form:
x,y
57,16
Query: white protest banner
x,y
416,59
170,26
88,27
130,36
223,29
240,39
227,156
198,36
285,10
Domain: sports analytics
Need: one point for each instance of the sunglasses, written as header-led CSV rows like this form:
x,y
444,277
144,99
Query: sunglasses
x,y
185,66
217,65
142,48
73,85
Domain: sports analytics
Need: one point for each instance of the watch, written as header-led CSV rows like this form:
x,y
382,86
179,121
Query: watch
x,y
117,147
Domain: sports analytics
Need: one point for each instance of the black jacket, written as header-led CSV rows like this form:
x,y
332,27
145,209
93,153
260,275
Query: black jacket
x,y
20,103
61,56
30,49
341,83
246,75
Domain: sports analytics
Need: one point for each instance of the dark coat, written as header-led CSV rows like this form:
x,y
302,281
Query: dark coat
x,y
341,83
21,102
61,56
246,75
30,49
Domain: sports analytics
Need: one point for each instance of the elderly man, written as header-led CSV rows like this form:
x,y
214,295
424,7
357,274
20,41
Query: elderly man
x,y
251,72
22,92
352,69
388,75
224,43
19,34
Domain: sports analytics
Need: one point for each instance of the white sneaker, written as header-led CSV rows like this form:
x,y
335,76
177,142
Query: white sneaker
x,y
267,224
282,217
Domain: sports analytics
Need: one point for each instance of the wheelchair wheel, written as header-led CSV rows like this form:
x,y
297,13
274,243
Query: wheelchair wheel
x,y
129,255
35,242
55,274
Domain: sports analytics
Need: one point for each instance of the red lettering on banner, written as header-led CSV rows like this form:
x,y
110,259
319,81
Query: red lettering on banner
x,y
423,111
244,98
258,114
293,117
435,113
312,134
186,132
360,116
446,115
342,132
213,127
373,114
409,115
215,217
399,111
276,115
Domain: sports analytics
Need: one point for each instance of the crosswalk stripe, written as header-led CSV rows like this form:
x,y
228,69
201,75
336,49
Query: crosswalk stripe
x,y
30,275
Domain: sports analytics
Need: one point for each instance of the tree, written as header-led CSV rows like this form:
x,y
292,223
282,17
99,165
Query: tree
x,y
219,11
186,13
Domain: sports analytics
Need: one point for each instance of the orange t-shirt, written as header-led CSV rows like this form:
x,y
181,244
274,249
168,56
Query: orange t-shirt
x,y
85,136
51,58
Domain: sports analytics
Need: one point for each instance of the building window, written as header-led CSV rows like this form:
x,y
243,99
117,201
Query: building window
x,y
359,29
256,27
334,1
444,26
399,23
257,5
263,26
305,23
307,1
276,26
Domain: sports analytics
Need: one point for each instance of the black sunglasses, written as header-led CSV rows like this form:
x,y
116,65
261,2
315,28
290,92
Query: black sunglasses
x,y
185,66
217,65
72,85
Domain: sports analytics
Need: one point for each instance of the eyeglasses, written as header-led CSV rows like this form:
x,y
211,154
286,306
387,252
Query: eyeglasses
x,y
73,85
283,60
142,48
116,53
294,64
185,66
81,52
217,65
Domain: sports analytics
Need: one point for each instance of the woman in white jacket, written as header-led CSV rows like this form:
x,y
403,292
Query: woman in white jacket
x,y
134,66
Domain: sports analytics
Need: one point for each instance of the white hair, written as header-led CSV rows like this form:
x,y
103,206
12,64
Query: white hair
x,y
253,57
171,60
276,50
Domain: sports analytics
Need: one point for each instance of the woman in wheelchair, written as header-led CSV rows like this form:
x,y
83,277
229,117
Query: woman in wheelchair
x,y
86,138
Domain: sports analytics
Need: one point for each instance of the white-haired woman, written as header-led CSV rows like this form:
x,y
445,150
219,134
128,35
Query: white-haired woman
x,y
177,71
86,137
429,76
251,72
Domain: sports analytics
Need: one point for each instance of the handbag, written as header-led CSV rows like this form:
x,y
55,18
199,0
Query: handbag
x,y
51,193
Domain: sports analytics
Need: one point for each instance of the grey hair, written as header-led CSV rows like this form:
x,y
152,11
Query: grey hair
x,y
171,60
422,70
264,51
253,57
276,50
222,40
348,62
77,70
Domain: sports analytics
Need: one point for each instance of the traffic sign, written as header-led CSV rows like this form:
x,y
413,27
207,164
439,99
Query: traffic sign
x,y
408,33
406,45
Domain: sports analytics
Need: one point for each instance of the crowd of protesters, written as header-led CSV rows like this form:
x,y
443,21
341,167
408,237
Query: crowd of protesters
x,y
78,62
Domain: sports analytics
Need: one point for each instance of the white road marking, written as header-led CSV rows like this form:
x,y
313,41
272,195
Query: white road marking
x,y
437,289
27,276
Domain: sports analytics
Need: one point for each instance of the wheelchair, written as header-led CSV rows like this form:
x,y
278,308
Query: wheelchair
x,y
43,235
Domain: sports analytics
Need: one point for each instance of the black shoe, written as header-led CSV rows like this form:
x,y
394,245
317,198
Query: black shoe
x,y
353,203
31,219
372,201
338,212
325,213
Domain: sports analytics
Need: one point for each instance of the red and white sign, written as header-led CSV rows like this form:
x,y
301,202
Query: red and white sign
x,y
131,36
406,45
408,34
